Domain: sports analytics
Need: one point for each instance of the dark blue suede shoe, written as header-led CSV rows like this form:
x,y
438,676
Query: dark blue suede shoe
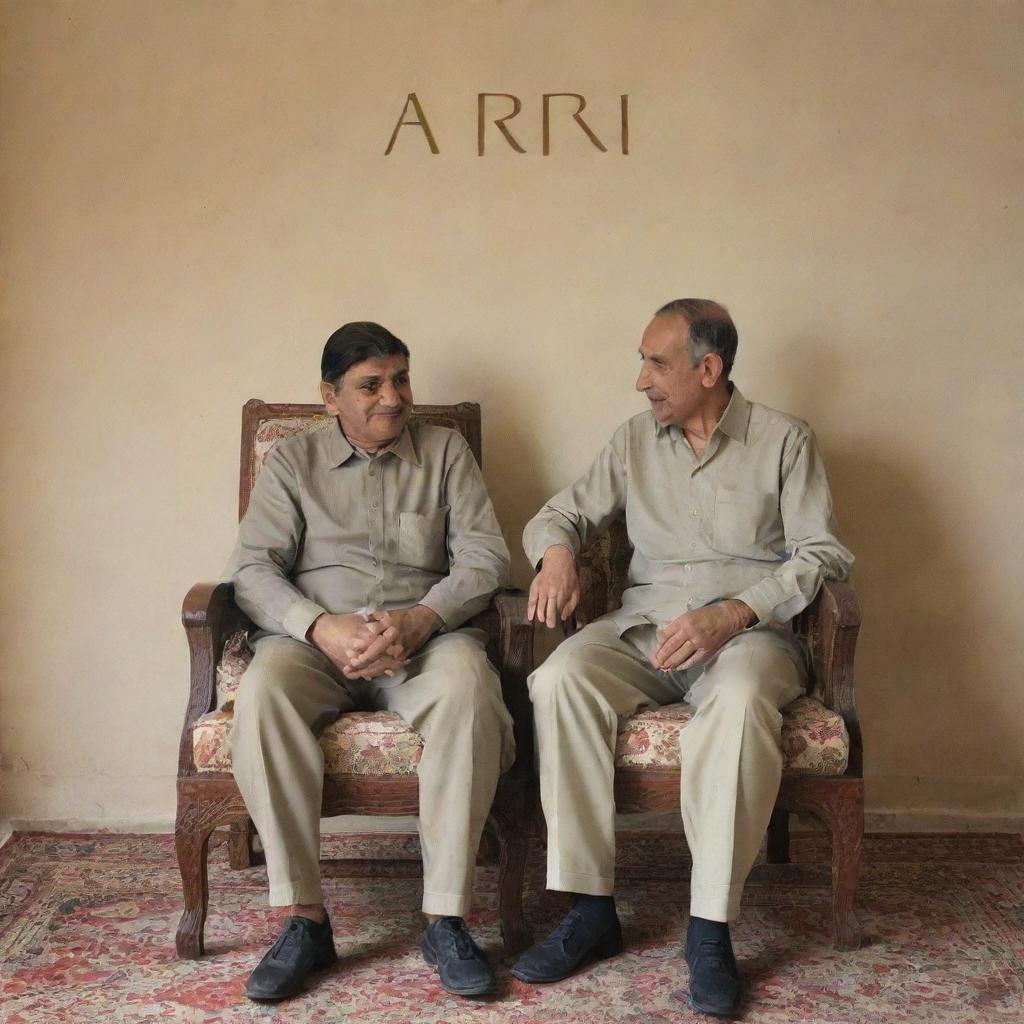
x,y
573,943
715,983
303,946
461,965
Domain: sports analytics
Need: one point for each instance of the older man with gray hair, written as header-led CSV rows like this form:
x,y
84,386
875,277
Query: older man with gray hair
x,y
729,513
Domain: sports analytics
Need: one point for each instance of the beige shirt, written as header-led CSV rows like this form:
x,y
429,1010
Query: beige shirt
x,y
329,529
751,518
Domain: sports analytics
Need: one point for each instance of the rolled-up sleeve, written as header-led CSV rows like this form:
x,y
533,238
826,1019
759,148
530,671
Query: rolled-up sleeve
x,y
269,537
477,553
584,509
813,550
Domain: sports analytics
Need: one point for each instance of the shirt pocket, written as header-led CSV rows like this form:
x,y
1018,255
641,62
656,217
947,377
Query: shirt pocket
x,y
423,539
744,520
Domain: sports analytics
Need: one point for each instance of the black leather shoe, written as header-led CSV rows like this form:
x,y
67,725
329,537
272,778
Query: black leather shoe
x,y
302,946
461,964
574,942
715,983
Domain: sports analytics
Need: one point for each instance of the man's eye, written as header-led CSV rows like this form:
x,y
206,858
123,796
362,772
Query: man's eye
x,y
401,381
370,387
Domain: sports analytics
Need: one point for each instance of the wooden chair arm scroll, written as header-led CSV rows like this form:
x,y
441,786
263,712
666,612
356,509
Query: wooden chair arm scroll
x,y
209,615
833,623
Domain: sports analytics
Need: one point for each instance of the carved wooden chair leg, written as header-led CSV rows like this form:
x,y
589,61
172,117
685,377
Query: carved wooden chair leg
x,y
778,837
240,849
192,843
509,824
846,821
840,804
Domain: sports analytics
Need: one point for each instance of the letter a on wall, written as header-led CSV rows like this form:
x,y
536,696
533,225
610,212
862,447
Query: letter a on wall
x,y
421,120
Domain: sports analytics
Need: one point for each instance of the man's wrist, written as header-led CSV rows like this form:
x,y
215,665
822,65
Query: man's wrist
x,y
427,619
312,629
556,551
745,615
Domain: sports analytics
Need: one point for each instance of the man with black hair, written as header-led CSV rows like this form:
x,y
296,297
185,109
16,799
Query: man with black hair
x,y
366,545
730,517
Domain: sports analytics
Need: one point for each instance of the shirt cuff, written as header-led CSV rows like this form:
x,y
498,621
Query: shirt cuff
x,y
762,599
444,610
538,543
301,616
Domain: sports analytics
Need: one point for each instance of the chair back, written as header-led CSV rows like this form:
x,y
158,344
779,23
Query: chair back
x,y
264,424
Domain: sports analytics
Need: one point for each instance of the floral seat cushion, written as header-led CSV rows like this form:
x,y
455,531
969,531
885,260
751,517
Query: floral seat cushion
x,y
814,739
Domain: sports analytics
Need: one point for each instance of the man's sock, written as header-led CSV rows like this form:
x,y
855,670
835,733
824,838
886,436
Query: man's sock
x,y
702,928
597,909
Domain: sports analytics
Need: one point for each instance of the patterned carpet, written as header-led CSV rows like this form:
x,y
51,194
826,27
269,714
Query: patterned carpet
x,y
87,924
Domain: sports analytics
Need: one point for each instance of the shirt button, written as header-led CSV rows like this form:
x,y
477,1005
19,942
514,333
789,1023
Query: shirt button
x,y
373,562
694,511
373,504
693,545
687,567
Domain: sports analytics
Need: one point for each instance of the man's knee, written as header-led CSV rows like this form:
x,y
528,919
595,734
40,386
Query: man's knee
x,y
271,682
565,670
565,678
755,675
466,683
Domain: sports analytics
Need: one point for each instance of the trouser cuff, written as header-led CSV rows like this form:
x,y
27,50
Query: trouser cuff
x,y
574,881
291,893
446,904
716,902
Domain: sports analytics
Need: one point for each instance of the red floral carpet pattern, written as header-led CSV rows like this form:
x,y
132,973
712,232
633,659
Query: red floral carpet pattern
x,y
87,925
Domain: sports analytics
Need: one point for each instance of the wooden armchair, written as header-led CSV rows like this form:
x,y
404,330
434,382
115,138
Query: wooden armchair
x,y
821,735
361,776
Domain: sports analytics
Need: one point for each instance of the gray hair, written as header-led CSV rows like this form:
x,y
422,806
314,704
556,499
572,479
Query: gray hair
x,y
710,329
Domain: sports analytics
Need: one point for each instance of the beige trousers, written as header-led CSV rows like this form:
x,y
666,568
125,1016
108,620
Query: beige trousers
x,y
450,696
731,753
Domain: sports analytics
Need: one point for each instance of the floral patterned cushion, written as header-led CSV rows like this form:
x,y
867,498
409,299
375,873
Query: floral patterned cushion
x,y
358,743
814,739
272,430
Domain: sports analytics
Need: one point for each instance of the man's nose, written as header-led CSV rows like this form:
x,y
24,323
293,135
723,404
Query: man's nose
x,y
641,381
390,395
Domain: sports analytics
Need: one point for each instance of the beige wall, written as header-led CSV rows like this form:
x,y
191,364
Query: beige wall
x,y
195,194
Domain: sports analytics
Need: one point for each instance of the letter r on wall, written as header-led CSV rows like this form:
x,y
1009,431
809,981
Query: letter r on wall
x,y
481,120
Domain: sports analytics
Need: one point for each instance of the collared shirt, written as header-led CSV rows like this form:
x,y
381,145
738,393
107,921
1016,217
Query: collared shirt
x,y
331,530
751,518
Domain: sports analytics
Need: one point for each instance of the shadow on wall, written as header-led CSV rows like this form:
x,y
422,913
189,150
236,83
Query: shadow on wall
x,y
922,660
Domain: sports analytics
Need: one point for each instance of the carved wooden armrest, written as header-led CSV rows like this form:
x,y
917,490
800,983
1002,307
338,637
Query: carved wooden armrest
x,y
833,642
209,615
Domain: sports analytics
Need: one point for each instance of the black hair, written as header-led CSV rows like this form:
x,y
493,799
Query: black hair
x,y
352,343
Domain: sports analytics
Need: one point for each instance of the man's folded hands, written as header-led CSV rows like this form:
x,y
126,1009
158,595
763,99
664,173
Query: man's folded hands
x,y
372,643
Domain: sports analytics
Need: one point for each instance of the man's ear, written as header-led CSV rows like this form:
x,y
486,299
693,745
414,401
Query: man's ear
x,y
329,400
711,367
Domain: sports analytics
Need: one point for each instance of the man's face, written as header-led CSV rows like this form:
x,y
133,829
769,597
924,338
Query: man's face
x,y
373,401
675,387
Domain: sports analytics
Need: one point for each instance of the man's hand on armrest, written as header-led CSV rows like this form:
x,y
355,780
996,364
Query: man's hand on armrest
x,y
696,635
555,590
